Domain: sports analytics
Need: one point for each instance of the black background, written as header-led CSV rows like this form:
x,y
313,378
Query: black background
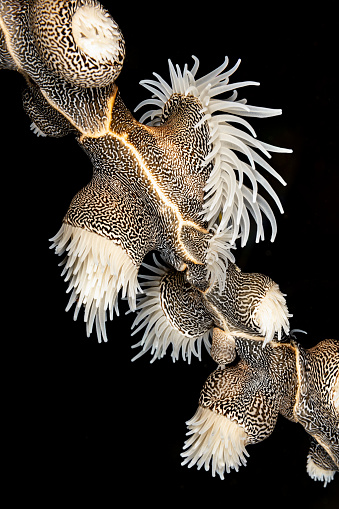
x,y
84,422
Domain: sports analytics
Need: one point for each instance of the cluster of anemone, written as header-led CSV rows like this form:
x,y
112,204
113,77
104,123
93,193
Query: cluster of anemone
x,y
186,181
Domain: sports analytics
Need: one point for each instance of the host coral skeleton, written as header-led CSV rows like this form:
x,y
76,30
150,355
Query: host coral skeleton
x,y
186,184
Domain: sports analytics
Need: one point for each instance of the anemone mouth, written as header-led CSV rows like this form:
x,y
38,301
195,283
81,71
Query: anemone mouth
x,y
272,316
160,332
96,33
215,441
96,269
318,473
